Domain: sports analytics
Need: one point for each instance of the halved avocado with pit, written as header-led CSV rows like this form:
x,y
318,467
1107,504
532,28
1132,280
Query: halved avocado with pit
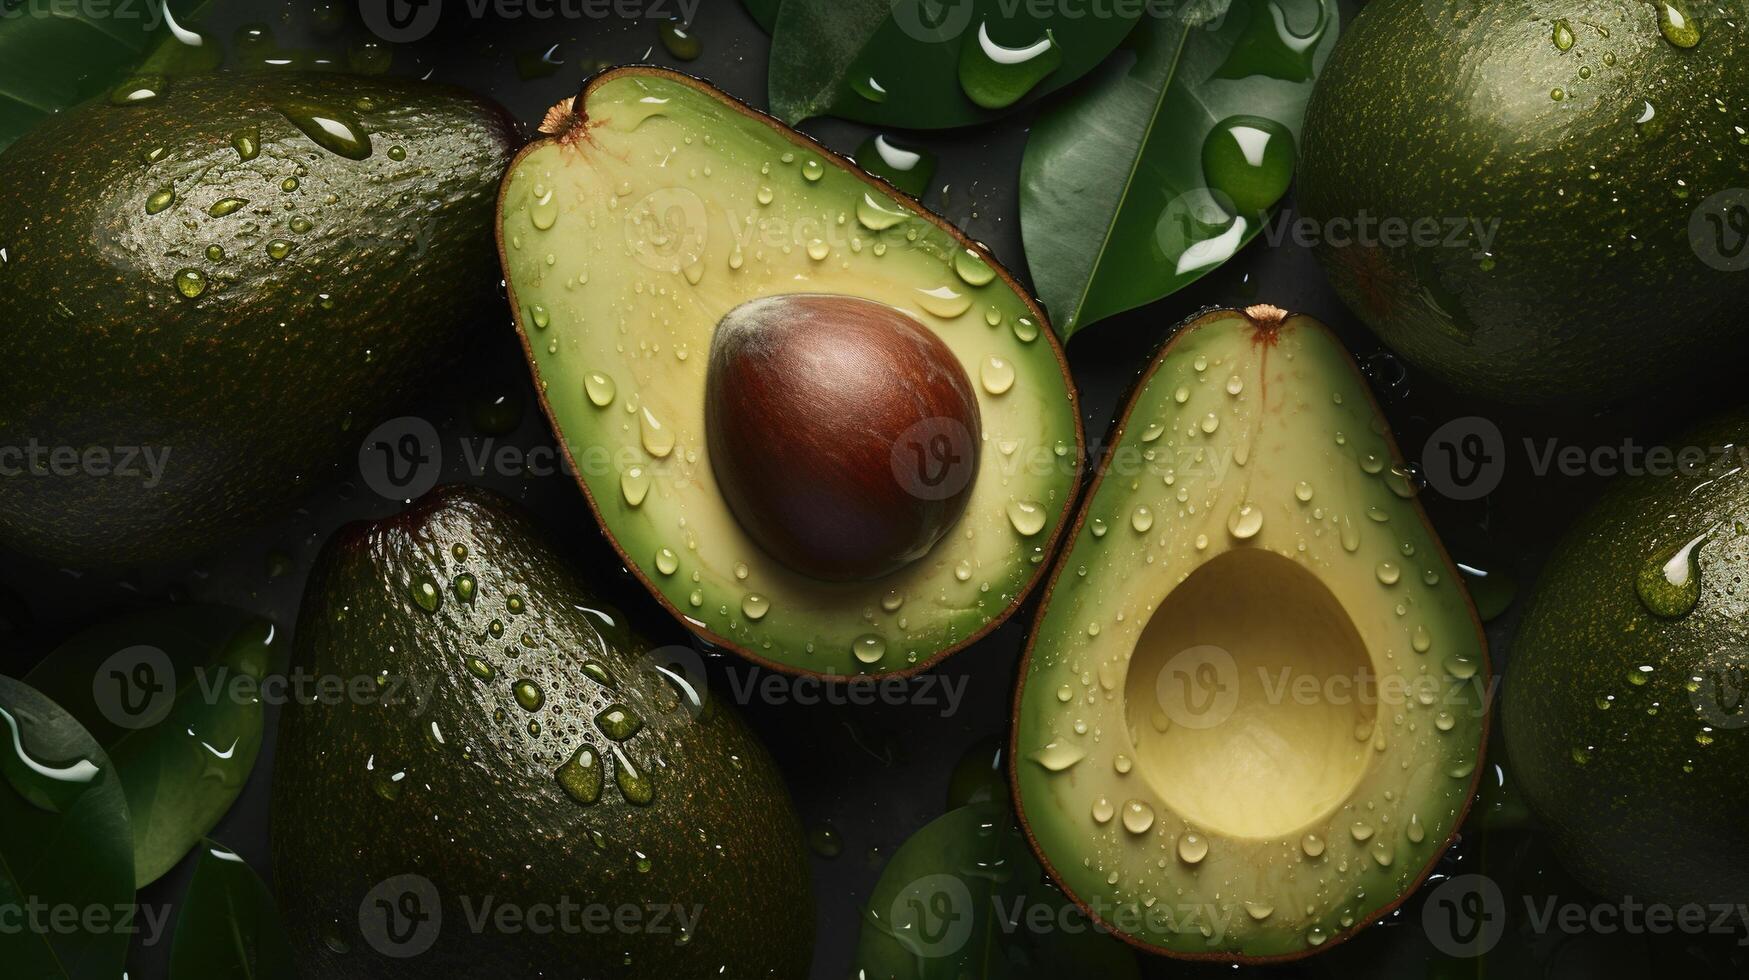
x,y
823,427
1254,704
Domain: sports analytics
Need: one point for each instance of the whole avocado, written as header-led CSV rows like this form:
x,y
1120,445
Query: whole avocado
x,y
1537,202
1624,707
210,291
524,757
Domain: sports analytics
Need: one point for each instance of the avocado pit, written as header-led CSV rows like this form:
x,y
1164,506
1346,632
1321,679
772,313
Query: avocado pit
x,y
842,432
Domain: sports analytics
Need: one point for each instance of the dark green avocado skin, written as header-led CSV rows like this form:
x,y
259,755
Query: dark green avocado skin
x,y
1595,288
272,375
1637,804
480,812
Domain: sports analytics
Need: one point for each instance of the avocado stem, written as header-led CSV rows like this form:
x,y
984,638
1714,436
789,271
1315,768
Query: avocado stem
x,y
1266,317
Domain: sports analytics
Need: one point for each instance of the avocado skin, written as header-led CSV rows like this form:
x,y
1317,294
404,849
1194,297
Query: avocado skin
x,y
1596,290
1630,821
260,386
720,835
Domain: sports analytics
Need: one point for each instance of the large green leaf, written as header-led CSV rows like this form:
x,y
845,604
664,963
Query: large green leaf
x,y
912,63
764,12
965,899
1172,158
57,55
64,845
170,694
228,926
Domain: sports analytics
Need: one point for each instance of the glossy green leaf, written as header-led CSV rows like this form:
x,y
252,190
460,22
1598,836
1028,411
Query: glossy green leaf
x,y
764,12
1171,158
228,926
965,899
171,696
57,55
933,64
64,845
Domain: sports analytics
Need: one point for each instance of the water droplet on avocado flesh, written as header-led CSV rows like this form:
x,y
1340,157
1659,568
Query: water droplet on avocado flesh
x,y
666,161
1259,744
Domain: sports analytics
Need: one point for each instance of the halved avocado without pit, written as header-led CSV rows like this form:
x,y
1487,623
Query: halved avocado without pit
x,y
1253,708
823,427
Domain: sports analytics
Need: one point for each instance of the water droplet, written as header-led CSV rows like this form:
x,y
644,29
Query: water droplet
x,y
226,206
1360,831
997,374
1103,811
247,143
528,694
1027,516
618,722
869,648
335,130
191,283
1245,521
1192,848
1248,162
1677,25
1388,573
812,170
1057,757
995,77
1416,832
464,587
1141,519
278,249
633,785
754,606
581,777
137,90
543,208
1312,845
877,214
600,389
658,439
1303,492
160,199
910,170
944,301
1138,818
679,40
667,561
481,669
1563,35
1421,640
634,485
971,267
1669,584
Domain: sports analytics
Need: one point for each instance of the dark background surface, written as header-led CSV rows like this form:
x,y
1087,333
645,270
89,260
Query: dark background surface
x,y
874,774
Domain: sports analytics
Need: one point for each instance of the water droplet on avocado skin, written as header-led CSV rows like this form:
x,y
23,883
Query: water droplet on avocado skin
x,y
1668,584
336,130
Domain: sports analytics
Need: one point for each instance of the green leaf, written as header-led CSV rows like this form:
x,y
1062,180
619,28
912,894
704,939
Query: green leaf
x,y
64,844
228,925
1144,180
923,64
170,695
764,12
964,898
56,55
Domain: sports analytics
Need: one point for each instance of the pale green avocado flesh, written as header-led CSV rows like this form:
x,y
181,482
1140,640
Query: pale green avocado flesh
x,y
657,207
1253,709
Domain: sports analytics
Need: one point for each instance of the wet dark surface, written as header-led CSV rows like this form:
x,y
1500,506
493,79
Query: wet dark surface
x,y
874,773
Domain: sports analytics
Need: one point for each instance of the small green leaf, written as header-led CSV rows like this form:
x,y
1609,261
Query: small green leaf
x,y
171,696
964,899
56,55
1172,158
228,925
65,844
932,64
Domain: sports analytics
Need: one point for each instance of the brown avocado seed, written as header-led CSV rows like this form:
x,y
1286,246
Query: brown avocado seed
x,y
843,433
